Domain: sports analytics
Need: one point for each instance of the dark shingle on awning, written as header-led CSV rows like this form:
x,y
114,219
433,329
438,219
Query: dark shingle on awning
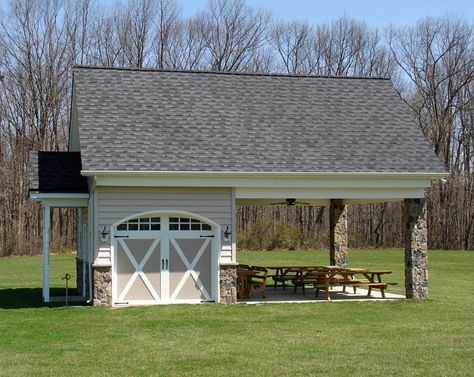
x,y
142,120
56,172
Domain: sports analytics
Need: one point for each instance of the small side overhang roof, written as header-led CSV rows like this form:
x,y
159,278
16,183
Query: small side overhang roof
x,y
55,178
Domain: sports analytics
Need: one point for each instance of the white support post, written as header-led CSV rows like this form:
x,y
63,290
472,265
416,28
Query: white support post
x,y
81,248
234,227
79,233
46,236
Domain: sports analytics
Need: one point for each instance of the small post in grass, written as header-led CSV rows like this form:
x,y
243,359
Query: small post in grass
x,y
67,277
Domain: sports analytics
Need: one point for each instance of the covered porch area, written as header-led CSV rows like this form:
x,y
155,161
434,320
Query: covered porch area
x,y
336,193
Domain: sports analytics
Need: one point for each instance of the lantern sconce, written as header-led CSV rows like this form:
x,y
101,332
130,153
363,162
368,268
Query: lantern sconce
x,y
104,235
227,234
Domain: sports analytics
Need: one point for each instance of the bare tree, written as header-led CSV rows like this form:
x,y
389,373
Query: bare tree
x,y
35,76
437,58
292,41
187,47
135,31
167,27
232,32
431,64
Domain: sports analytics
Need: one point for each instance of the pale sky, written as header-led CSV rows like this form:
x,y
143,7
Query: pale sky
x,y
377,13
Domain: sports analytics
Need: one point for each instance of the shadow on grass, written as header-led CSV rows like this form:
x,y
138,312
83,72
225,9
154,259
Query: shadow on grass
x,y
32,298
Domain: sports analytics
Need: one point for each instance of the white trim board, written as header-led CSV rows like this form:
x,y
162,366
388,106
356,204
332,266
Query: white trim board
x,y
61,200
229,174
319,189
256,186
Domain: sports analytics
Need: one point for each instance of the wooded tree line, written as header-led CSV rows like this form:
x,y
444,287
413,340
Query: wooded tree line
x,y
431,64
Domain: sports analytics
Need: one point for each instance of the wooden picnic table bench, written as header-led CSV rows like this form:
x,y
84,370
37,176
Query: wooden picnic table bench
x,y
243,281
251,278
284,274
325,279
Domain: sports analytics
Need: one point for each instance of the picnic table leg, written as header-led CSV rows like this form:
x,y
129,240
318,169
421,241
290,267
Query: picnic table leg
x,y
353,287
240,289
382,290
371,279
327,293
248,287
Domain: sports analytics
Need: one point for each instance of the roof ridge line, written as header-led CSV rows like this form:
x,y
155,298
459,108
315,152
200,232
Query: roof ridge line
x,y
275,74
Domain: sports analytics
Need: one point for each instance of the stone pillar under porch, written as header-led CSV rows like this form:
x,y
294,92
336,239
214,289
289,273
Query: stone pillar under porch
x,y
416,249
338,233
228,283
102,285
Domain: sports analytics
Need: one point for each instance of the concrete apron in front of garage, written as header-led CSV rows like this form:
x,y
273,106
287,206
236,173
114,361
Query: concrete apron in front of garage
x,y
289,296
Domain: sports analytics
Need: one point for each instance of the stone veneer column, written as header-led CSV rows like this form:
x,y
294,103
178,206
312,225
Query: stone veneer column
x,y
228,284
338,233
416,249
102,286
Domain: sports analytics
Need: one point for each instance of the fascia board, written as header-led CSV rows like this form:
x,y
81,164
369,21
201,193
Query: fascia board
x,y
40,196
265,182
279,175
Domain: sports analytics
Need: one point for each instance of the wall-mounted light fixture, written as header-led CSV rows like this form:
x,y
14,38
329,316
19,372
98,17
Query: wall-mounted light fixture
x,y
227,234
104,235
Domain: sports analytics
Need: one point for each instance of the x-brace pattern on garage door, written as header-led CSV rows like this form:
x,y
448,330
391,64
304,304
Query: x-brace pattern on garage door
x,y
138,269
190,268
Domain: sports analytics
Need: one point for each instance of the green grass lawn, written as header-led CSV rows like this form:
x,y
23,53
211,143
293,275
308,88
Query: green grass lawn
x,y
403,338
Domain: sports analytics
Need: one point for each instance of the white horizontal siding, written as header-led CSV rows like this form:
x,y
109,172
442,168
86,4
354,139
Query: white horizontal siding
x,y
116,203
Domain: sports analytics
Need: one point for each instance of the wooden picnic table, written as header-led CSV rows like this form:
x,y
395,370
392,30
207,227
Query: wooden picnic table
x,y
288,273
243,281
327,278
370,275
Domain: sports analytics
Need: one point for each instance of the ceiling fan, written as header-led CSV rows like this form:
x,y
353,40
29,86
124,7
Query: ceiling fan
x,y
290,202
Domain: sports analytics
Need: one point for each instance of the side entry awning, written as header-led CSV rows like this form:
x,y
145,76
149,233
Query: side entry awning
x,y
55,177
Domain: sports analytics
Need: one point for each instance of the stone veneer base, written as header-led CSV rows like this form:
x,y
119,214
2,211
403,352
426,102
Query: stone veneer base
x,y
228,284
102,286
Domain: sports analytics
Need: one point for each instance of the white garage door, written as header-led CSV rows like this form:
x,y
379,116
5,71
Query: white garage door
x,y
165,258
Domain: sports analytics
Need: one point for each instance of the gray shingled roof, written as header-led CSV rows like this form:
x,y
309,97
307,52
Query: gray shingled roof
x,y
56,172
206,121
